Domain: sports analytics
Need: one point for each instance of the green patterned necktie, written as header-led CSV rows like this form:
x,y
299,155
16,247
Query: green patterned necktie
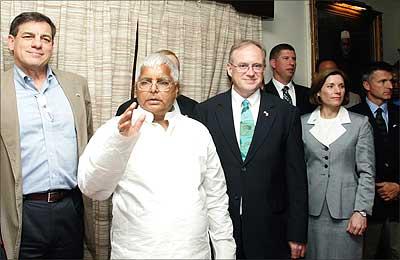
x,y
246,129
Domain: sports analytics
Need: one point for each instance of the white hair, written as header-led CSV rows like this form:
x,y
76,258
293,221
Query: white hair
x,y
156,59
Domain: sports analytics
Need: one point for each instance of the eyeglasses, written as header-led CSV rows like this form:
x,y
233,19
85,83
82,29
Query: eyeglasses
x,y
244,67
161,84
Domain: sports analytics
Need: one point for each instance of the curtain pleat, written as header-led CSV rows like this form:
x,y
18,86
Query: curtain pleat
x,y
201,34
96,39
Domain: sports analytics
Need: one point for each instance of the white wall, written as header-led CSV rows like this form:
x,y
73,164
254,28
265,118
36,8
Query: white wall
x,y
291,25
390,27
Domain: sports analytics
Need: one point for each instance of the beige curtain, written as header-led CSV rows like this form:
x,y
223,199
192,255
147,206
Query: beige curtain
x,y
201,34
96,39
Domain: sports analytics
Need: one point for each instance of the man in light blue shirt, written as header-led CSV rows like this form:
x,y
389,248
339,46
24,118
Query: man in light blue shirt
x,y
45,125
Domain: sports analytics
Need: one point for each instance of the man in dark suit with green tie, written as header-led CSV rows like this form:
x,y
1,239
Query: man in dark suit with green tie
x,y
258,140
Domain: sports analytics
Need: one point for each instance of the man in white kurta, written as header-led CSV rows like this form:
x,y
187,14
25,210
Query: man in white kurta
x,y
168,186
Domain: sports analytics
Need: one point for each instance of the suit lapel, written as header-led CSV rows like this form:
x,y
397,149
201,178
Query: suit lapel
x,y
367,111
9,123
224,117
265,120
393,118
270,88
299,95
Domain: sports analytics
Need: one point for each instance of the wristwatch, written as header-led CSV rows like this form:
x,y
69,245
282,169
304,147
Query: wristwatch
x,y
362,213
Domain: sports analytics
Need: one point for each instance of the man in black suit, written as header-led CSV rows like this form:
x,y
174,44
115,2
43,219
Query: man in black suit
x,y
382,238
258,139
282,60
184,104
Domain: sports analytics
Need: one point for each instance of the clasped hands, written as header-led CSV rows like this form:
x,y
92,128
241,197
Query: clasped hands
x,y
388,190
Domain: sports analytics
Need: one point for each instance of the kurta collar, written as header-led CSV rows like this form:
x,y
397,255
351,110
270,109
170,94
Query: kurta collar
x,y
149,117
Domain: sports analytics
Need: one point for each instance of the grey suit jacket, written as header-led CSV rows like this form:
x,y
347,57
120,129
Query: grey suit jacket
x,y
344,172
76,90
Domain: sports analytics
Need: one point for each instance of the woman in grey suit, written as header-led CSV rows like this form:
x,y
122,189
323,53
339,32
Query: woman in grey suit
x,y
339,152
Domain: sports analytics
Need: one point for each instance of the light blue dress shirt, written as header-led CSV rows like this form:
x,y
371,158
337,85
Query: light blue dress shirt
x,y
373,107
49,149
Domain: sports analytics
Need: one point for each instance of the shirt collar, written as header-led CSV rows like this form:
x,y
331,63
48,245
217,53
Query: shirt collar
x,y
253,98
279,86
342,116
23,79
373,107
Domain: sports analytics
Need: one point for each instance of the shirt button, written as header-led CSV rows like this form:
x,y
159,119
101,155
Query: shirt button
x,y
326,148
236,197
326,157
326,166
244,169
386,165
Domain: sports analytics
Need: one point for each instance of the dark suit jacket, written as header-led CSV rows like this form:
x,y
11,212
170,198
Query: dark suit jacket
x,y
272,180
387,159
186,105
302,102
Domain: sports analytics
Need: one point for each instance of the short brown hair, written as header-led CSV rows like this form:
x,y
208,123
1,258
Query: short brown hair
x,y
319,81
275,51
27,17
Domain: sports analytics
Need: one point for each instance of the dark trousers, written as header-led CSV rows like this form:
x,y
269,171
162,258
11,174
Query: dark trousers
x,y
53,230
2,251
239,244
382,240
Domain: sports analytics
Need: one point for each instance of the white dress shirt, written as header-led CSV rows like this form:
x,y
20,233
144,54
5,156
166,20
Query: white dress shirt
x,y
279,87
169,189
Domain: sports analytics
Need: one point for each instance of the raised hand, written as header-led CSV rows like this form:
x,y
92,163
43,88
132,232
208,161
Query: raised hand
x,y
125,126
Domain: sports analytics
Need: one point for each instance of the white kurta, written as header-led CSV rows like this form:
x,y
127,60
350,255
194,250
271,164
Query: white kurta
x,y
169,190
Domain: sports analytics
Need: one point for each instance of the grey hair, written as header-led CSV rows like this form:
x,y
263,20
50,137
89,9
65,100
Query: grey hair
x,y
156,59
